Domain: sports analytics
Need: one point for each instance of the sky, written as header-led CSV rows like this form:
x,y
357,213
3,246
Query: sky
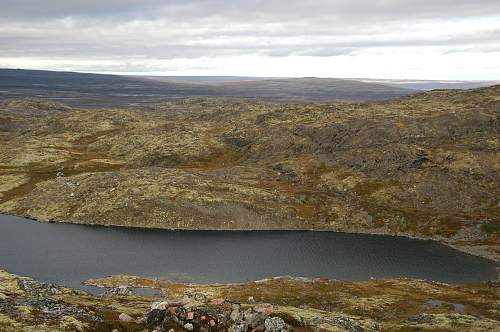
x,y
398,39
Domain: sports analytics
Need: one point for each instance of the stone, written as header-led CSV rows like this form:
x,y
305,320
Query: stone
x,y
120,290
251,299
200,297
212,322
264,308
159,305
253,318
125,318
420,319
236,314
189,326
238,326
155,316
54,291
172,311
190,315
275,324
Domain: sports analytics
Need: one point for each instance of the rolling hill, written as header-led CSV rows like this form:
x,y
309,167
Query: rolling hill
x,y
96,90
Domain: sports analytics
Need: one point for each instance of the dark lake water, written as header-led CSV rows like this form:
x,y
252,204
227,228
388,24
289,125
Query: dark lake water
x,y
69,254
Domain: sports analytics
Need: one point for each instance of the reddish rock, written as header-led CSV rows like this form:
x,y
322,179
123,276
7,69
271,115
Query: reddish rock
x,y
264,308
218,301
190,315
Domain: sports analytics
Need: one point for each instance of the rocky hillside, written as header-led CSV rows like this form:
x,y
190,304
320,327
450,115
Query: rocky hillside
x,y
425,165
274,305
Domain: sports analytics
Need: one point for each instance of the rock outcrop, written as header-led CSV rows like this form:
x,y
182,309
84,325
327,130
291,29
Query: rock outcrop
x,y
282,304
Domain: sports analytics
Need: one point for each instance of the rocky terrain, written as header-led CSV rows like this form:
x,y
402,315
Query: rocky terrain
x,y
278,304
425,166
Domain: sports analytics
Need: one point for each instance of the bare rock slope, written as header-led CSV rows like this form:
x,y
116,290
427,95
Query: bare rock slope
x,y
425,165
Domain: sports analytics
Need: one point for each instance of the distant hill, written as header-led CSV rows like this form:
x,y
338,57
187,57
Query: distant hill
x,y
96,90
426,85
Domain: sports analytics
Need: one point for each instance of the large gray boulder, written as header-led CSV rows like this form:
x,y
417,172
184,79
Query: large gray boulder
x,y
275,324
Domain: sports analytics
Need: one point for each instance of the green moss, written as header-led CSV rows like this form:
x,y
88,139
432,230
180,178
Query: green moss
x,y
491,228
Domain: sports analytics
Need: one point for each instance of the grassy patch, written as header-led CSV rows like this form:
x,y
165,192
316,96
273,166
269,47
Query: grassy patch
x,y
491,228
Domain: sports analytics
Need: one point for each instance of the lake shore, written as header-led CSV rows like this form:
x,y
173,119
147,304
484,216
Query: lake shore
x,y
296,304
479,251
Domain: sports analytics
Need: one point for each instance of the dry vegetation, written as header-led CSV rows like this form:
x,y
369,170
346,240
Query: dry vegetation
x,y
425,165
306,305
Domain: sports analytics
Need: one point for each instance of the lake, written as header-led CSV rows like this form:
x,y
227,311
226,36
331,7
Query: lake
x,y
69,254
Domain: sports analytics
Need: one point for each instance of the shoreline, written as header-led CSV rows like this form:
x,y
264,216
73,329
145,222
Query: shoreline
x,y
478,252
304,305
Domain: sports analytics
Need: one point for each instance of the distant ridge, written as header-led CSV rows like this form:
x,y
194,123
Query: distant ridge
x,y
425,85
100,90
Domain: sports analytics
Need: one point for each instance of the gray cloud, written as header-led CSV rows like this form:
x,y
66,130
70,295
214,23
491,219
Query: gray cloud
x,y
264,9
159,29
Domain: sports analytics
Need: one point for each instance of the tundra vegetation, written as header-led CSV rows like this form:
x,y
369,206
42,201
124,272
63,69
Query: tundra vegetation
x,y
284,303
424,166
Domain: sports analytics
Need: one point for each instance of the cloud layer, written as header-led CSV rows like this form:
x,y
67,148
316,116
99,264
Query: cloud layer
x,y
218,37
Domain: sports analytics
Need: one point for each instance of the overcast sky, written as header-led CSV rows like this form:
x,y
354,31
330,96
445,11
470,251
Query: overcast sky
x,y
421,39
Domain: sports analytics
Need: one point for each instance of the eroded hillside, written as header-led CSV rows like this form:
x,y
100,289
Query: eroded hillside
x,y
426,165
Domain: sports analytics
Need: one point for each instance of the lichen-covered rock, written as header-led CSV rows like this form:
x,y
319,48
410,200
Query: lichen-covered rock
x,y
238,326
275,324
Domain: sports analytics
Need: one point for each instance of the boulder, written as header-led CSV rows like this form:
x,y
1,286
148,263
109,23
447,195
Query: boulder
x,y
236,314
200,297
189,326
159,305
125,318
120,290
155,316
264,308
238,326
253,318
275,324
